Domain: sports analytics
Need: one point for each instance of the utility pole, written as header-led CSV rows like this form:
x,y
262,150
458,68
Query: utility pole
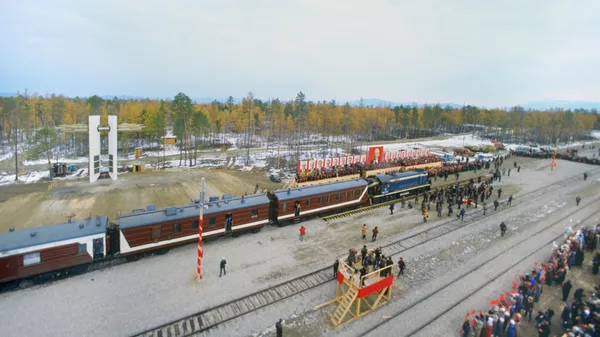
x,y
200,225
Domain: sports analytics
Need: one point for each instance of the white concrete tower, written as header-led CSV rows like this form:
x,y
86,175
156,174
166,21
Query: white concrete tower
x,y
112,147
94,148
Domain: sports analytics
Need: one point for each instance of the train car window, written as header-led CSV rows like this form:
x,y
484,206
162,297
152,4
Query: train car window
x,y
195,224
352,194
327,199
320,200
212,222
255,213
82,248
177,228
307,202
31,259
284,206
346,195
337,197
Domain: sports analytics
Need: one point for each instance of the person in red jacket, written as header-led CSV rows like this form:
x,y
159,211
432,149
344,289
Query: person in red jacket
x,y
302,232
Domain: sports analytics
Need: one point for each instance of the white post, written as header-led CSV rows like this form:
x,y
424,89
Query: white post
x,y
94,148
112,147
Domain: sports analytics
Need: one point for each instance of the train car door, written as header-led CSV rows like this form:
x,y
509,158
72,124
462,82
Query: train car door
x,y
113,240
9,267
273,208
98,249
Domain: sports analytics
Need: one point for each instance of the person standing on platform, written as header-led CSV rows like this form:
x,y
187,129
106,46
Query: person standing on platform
x,y
578,200
496,204
302,232
222,270
375,232
392,209
364,231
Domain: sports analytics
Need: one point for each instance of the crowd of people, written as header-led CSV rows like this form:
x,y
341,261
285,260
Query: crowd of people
x,y
395,166
580,315
401,165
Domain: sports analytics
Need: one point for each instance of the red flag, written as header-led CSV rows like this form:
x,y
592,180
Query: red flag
x,y
468,314
473,322
491,303
473,312
501,297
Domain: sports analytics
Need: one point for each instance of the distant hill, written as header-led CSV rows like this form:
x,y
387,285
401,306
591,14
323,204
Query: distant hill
x,y
550,104
376,102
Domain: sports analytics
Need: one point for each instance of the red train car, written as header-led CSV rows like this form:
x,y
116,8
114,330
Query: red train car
x,y
41,250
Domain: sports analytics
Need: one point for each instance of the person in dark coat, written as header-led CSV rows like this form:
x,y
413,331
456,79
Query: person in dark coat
x,y
543,329
336,266
578,295
496,204
401,267
279,328
392,209
222,270
502,228
566,289
351,257
596,264
466,328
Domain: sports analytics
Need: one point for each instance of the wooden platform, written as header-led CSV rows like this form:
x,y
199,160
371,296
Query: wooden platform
x,y
357,296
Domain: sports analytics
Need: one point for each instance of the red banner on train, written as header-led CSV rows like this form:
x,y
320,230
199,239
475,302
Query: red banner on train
x,y
375,155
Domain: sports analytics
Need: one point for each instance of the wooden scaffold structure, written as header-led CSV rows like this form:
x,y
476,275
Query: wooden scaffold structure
x,y
357,296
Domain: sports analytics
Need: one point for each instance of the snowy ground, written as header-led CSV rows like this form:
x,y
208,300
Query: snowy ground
x,y
158,289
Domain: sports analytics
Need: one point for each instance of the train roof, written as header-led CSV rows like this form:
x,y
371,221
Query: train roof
x,y
52,233
149,217
306,191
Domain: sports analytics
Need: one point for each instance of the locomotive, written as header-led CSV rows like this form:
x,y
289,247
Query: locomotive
x,y
52,249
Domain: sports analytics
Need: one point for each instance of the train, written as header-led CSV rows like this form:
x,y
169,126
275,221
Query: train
x,y
53,249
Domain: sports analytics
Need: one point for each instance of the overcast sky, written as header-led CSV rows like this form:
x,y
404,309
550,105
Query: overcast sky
x,y
493,53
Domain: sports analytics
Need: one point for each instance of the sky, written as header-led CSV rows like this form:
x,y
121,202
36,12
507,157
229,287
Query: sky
x,y
492,53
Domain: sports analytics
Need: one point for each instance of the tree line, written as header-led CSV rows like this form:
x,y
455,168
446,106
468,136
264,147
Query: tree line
x,y
31,120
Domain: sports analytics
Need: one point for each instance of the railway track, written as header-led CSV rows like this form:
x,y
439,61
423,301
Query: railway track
x,y
210,318
476,269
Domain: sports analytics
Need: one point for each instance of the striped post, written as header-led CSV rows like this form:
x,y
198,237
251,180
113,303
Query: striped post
x,y
200,224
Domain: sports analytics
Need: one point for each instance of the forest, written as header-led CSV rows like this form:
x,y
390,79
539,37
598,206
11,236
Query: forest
x,y
35,123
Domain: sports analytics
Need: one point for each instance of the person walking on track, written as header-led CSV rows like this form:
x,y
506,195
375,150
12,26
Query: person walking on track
x,y
578,200
364,231
375,232
392,209
509,200
302,232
